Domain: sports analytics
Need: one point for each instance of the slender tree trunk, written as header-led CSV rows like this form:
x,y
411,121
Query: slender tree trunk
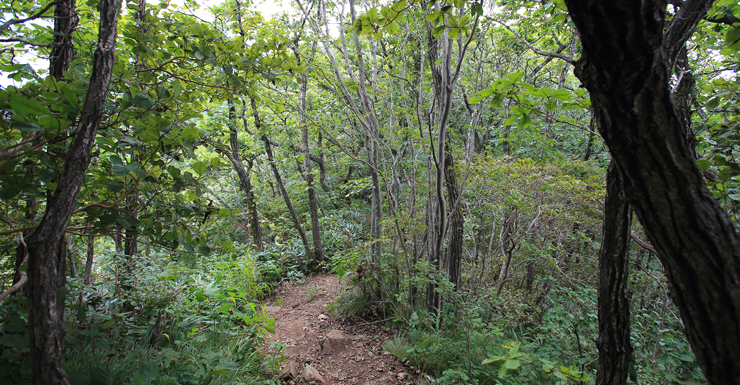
x,y
254,216
313,201
118,240
62,51
70,255
244,177
590,143
614,300
457,221
89,262
624,68
131,242
46,321
279,180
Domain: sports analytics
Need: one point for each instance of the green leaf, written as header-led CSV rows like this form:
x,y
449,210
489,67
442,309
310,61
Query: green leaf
x,y
205,250
25,126
562,95
224,212
200,167
512,364
437,32
478,8
712,103
732,39
119,170
13,341
704,164
143,101
513,78
107,324
162,92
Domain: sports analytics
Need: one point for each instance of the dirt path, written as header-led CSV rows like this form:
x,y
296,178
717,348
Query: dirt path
x,y
340,353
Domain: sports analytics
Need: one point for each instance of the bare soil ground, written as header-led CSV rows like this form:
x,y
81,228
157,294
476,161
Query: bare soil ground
x,y
321,349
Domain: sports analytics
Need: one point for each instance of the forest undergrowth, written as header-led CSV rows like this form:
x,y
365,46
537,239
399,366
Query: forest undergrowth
x,y
520,200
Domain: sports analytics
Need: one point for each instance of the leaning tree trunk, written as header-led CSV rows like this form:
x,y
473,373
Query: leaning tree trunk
x,y
624,69
244,177
614,300
45,319
281,185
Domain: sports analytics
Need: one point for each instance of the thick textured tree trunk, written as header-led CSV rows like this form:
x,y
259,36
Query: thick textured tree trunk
x,y
624,68
46,321
614,300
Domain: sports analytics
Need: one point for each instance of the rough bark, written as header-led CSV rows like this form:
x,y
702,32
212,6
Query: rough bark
x,y
613,341
46,322
625,70
62,51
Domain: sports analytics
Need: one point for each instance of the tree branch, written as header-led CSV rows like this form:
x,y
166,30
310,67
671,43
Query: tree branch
x,y
530,46
38,14
23,278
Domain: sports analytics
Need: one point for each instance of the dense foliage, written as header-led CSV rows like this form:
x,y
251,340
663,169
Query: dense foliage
x,y
441,157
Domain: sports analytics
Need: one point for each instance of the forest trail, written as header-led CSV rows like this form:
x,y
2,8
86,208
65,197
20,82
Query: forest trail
x,y
322,350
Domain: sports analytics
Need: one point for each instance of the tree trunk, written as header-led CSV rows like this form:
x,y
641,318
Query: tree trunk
x,y
130,243
89,262
70,255
614,300
313,201
279,180
62,51
457,221
46,321
118,240
591,135
624,68
244,177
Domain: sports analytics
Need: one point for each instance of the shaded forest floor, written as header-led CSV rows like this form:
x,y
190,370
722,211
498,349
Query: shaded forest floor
x,y
322,349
